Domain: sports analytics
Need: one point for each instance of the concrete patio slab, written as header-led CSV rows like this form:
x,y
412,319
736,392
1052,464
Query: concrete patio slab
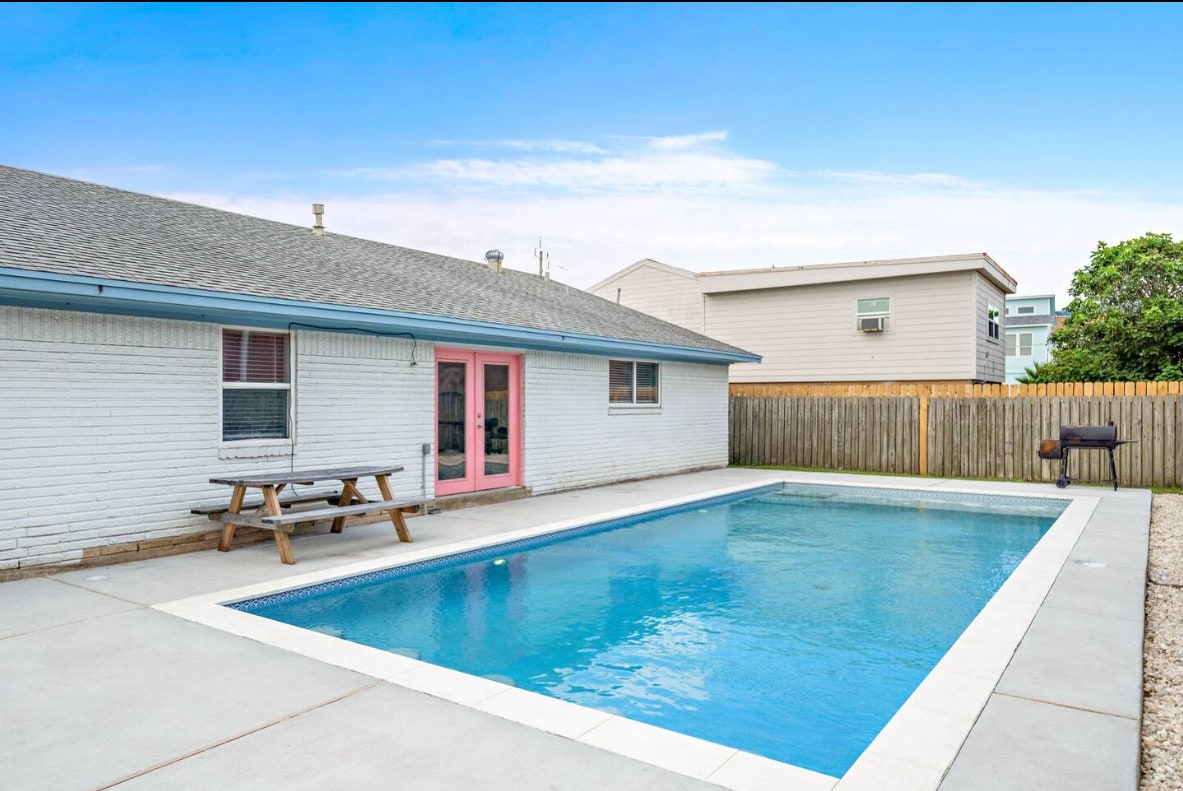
x,y
1105,674
386,737
1020,744
1119,549
747,772
687,755
144,698
40,603
1106,590
88,703
876,772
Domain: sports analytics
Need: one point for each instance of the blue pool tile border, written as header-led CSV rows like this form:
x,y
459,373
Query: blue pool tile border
x,y
253,604
1052,505
485,553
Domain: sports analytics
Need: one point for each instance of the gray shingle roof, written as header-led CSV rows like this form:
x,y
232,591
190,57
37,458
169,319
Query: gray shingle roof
x,y
1030,320
63,226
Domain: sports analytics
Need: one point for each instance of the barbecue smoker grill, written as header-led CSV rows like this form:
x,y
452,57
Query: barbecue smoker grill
x,y
1083,438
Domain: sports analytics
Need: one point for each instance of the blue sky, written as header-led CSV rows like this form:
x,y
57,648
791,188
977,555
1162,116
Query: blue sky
x,y
706,136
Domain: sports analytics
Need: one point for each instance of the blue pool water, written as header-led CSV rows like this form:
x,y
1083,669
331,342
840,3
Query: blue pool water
x,y
791,623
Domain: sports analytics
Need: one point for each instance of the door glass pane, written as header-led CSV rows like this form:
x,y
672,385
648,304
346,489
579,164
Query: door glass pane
x,y
498,428
451,421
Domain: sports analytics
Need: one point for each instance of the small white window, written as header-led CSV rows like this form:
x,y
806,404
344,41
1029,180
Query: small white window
x,y
1027,309
1019,344
873,314
633,382
256,385
992,327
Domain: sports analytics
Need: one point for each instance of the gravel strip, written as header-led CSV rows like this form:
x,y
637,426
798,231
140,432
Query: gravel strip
x,y
1162,705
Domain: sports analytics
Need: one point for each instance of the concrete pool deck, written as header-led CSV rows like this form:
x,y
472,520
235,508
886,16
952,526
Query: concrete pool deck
x,y
101,688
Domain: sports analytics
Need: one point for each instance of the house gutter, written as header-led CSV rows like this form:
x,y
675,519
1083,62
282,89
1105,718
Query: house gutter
x,y
24,288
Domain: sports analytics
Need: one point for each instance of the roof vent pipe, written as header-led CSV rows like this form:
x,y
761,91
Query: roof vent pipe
x,y
318,214
494,259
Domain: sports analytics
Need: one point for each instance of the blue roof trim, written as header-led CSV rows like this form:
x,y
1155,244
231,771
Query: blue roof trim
x,y
24,288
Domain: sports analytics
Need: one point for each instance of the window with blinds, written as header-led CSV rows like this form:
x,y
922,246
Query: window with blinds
x,y
633,382
256,385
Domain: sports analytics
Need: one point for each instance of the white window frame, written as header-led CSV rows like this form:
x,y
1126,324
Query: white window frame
x,y
872,314
993,325
1019,344
261,444
634,404
1018,336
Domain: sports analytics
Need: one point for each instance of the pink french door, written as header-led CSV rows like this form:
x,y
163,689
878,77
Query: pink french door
x,y
478,421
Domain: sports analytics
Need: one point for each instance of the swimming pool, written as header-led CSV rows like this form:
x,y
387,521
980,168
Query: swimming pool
x,y
790,622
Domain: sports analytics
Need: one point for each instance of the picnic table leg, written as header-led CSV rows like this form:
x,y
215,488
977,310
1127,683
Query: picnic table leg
x,y
396,516
348,493
271,505
227,538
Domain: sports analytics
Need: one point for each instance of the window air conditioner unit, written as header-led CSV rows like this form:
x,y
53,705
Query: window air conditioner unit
x,y
877,324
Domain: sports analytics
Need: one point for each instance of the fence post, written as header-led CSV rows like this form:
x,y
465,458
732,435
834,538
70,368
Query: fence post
x,y
923,435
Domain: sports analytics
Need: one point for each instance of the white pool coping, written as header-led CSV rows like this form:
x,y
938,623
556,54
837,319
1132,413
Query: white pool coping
x,y
912,752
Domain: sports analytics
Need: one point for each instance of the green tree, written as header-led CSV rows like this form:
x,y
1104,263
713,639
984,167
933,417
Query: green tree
x,y
1127,317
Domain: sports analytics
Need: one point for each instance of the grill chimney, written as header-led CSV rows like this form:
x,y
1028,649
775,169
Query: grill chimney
x,y
318,213
494,259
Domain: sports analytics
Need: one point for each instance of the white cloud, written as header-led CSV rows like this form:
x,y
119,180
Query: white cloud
x,y
708,209
632,164
544,144
615,173
898,179
561,146
682,142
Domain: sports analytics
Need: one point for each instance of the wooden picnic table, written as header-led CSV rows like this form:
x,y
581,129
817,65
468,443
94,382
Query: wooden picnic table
x,y
270,515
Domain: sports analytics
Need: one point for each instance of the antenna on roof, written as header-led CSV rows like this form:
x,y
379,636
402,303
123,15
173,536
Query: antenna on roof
x,y
542,255
318,215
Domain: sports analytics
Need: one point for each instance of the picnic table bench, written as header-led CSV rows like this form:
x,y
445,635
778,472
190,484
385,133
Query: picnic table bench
x,y
214,511
270,513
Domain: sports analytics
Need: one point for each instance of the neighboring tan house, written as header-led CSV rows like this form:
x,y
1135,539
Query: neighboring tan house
x,y
148,345
933,319
1030,320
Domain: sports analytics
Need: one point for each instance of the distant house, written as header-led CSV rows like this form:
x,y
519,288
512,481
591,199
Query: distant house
x,y
148,345
929,320
1029,322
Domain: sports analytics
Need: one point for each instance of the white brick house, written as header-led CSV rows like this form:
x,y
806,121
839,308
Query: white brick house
x,y
148,345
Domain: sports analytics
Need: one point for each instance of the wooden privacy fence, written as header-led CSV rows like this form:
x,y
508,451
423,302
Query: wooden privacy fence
x,y
955,389
991,432
823,432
